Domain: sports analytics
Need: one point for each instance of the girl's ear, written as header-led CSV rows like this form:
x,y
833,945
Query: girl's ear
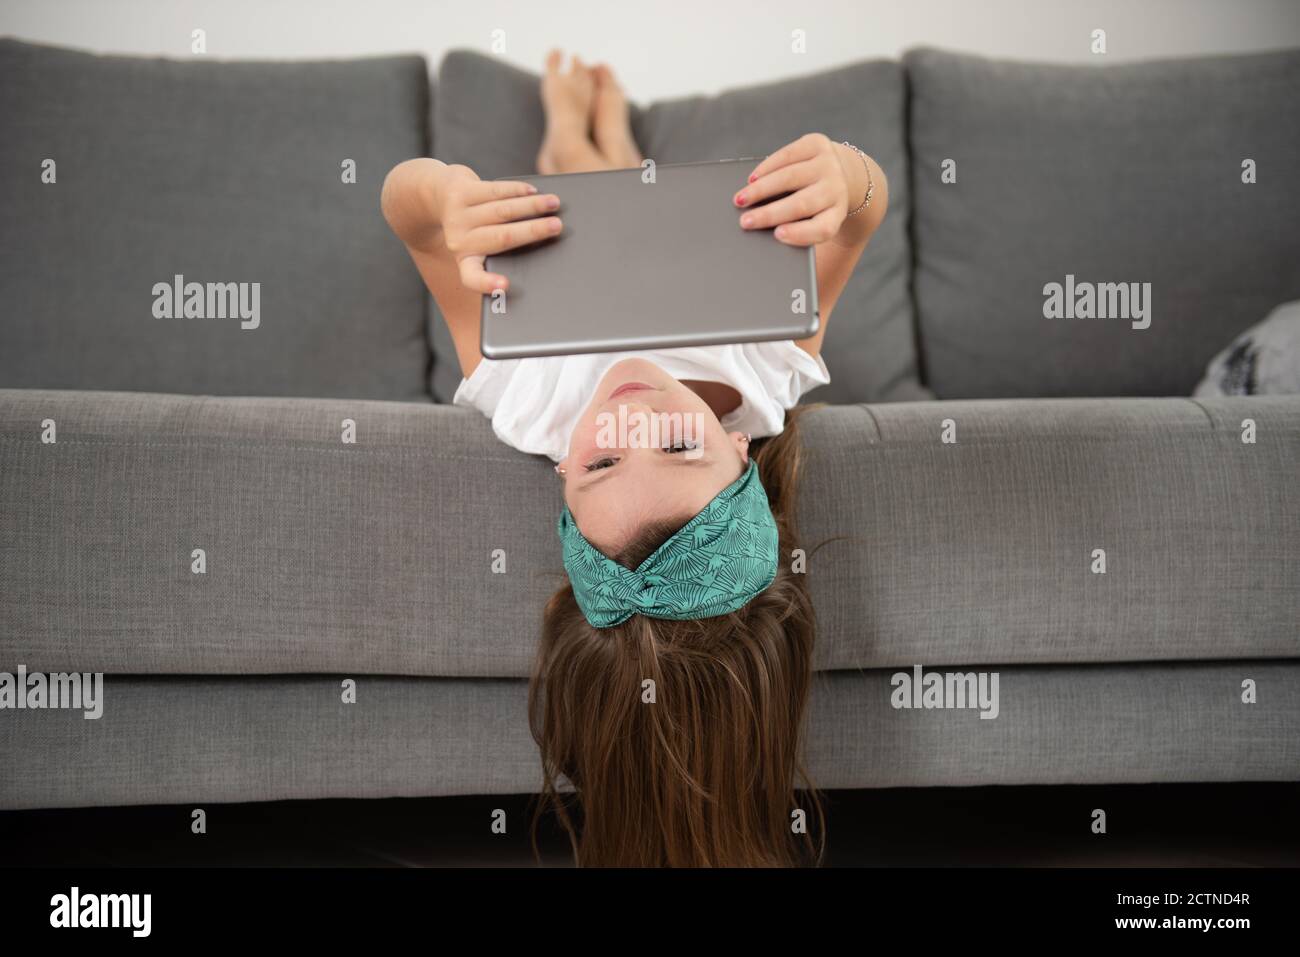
x,y
741,441
562,466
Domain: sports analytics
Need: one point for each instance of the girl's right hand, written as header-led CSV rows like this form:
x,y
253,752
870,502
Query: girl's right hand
x,y
481,219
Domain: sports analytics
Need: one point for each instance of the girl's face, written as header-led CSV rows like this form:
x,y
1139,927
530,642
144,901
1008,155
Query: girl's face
x,y
646,448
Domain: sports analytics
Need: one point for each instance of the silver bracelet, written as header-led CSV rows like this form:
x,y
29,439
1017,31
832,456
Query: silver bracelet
x,y
871,187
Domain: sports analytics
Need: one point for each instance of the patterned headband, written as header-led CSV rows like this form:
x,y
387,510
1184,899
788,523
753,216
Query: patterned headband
x,y
715,563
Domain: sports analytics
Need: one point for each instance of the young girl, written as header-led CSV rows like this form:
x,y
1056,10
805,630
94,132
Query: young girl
x,y
672,675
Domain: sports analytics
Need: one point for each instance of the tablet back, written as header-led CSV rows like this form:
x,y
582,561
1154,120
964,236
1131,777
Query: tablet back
x,y
649,265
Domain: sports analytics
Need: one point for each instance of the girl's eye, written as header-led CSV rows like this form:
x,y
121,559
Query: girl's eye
x,y
600,464
681,447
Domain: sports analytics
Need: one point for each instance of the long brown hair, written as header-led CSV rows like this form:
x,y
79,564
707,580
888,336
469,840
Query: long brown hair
x,y
704,773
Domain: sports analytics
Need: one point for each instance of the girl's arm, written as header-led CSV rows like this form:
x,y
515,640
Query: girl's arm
x,y
826,180
450,221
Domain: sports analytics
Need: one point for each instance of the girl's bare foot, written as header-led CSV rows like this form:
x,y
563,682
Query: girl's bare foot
x,y
609,120
567,99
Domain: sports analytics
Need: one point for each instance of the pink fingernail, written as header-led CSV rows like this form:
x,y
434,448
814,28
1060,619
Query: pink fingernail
x,y
752,177
532,188
552,202
746,220
740,199
780,232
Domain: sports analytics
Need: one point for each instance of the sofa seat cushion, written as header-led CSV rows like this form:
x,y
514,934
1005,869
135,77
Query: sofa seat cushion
x,y
427,547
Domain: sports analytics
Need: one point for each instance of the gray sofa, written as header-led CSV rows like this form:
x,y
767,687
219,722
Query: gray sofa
x,y
373,560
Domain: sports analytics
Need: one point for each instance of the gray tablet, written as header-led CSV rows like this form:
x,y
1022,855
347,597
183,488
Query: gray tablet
x,y
643,265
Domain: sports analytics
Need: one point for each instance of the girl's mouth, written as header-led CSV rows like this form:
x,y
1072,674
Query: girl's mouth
x,y
630,387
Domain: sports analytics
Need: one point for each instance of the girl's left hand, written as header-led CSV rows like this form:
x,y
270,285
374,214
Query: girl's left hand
x,y
811,170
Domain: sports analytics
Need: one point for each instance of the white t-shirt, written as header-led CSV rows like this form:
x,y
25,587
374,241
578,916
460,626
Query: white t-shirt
x,y
534,404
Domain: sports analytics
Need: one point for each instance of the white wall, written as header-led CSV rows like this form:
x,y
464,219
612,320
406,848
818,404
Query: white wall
x,y
662,47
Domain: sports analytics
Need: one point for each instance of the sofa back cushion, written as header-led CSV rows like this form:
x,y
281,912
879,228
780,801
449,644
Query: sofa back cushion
x,y
219,173
1127,174
869,347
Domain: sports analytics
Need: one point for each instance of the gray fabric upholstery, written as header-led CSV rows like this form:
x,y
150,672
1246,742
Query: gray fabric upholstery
x,y
980,551
869,346
219,172
203,741
377,557
374,560
1125,173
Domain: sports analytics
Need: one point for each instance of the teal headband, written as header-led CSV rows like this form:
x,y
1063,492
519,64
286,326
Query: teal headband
x,y
712,565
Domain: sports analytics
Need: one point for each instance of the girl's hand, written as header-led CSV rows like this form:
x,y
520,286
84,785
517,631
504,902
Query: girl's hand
x,y
481,219
823,185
